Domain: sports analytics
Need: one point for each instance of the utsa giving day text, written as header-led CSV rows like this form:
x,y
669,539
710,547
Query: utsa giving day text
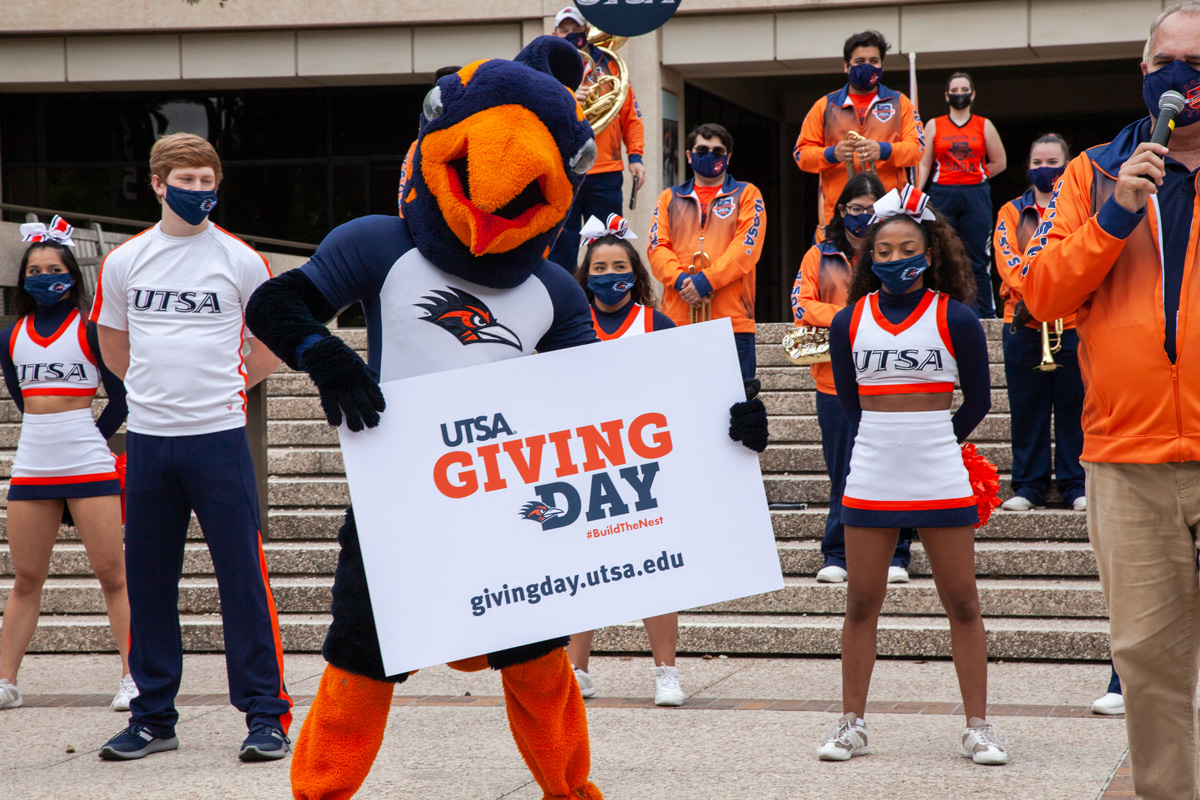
x,y
561,481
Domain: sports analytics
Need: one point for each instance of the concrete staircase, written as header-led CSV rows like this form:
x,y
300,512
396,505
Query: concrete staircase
x,y
1037,576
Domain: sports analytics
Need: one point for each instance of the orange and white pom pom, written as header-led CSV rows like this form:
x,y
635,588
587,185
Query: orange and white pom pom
x,y
985,482
121,478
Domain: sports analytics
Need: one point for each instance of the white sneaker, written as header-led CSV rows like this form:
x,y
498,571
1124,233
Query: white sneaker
x,y
10,695
587,687
831,574
1080,504
844,741
126,691
897,575
1111,705
984,743
1018,503
667,691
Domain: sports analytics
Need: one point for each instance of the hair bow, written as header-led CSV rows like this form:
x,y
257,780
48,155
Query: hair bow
x,y
594,229
909,201
59,232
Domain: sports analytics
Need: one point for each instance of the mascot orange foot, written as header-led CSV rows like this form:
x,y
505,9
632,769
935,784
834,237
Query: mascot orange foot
x,y
502,151
344,728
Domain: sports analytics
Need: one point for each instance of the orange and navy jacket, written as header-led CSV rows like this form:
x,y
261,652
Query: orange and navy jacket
x,y
405,171
960,151
818,294
1139,407
626,128
1015,224
891,120
733,235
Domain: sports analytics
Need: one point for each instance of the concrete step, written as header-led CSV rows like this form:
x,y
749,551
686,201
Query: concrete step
x,y
1043,525
791,457
997,598
805,429
796,557
906,637
311,595
283,558
793,378
992,559
699,633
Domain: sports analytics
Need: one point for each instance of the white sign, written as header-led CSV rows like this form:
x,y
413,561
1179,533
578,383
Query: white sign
x,y
522,500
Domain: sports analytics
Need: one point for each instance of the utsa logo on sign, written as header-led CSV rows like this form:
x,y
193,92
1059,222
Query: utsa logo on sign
x,y
540,512
883,111
467,318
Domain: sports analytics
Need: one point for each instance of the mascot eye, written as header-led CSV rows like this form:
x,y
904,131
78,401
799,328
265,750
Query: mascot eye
x,y
478,321
582,161
432,107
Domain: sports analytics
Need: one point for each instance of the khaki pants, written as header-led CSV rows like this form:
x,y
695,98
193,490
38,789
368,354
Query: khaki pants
x,y
1143,520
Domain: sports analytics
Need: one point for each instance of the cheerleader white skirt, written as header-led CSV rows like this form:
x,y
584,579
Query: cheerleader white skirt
x,y
62,455
906,471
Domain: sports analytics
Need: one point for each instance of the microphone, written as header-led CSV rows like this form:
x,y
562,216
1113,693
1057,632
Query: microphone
x,y
1169,105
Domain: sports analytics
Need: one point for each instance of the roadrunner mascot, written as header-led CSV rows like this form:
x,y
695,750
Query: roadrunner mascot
x,y
460,279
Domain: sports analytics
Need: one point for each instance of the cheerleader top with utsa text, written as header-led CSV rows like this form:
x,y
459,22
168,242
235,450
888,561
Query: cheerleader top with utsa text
x,y
54,352
914,342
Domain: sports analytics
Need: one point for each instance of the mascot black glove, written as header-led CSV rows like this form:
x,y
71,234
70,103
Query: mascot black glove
x,y
347,385
748,419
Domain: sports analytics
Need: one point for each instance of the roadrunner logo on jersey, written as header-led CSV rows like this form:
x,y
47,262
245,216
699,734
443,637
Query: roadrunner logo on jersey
x,y
467,318
540,512
883,111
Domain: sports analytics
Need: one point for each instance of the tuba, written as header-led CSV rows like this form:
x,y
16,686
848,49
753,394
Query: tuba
x,y
854,166
608,92
1048,349
807,345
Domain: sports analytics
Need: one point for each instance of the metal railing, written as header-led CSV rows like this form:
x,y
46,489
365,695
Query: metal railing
x,y
92,220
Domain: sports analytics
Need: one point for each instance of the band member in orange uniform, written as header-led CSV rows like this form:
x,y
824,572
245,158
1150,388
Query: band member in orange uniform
x,y
892,137
722,218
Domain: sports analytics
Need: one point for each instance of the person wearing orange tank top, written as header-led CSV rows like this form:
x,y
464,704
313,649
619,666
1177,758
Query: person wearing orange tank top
x,y
966,151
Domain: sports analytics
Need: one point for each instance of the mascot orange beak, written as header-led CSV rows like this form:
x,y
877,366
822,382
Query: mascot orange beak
x,y
498,177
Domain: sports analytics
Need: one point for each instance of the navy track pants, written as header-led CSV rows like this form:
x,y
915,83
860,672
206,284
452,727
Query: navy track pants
x,y
968,209
168,477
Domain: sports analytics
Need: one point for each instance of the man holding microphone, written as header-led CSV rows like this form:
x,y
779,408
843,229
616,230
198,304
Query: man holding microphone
x,y
1119,243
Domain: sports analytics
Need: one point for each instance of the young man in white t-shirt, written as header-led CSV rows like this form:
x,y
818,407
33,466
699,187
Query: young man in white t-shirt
x,y
169,309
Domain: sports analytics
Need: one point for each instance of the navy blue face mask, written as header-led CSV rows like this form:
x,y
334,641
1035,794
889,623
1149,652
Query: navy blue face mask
x,y
708,165
579,39
865,76
47,289
611,287
1044,178
192,207
857,224
1183,78
899,276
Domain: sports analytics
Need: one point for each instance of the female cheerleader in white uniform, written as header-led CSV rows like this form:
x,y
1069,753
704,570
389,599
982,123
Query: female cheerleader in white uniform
x,y
52,367
623,304
897,349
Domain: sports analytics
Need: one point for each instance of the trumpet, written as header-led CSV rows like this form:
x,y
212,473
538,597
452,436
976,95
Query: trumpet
x,y
700,263
807,345
608,92
1048,349
854,166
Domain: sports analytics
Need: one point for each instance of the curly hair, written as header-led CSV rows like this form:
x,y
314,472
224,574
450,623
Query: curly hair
x,y
949,270
643,287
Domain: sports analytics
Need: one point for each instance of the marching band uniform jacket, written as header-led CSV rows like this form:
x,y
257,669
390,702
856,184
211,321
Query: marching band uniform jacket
x,y
818,295
1015,224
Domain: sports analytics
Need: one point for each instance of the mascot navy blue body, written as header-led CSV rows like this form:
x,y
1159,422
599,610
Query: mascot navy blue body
x,y
460,279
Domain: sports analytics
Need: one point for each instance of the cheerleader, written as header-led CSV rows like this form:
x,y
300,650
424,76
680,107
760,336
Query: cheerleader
x,y
897,349
623,304
52,368
818,294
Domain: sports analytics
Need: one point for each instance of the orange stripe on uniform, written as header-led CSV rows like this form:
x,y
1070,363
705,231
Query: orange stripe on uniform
x,y
286,719
907,505
60,479
905,388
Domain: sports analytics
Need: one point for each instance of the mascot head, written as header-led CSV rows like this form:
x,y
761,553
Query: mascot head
x,y
503,147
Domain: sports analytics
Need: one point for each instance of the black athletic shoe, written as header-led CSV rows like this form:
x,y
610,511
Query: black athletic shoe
x,y
136,742
265,743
